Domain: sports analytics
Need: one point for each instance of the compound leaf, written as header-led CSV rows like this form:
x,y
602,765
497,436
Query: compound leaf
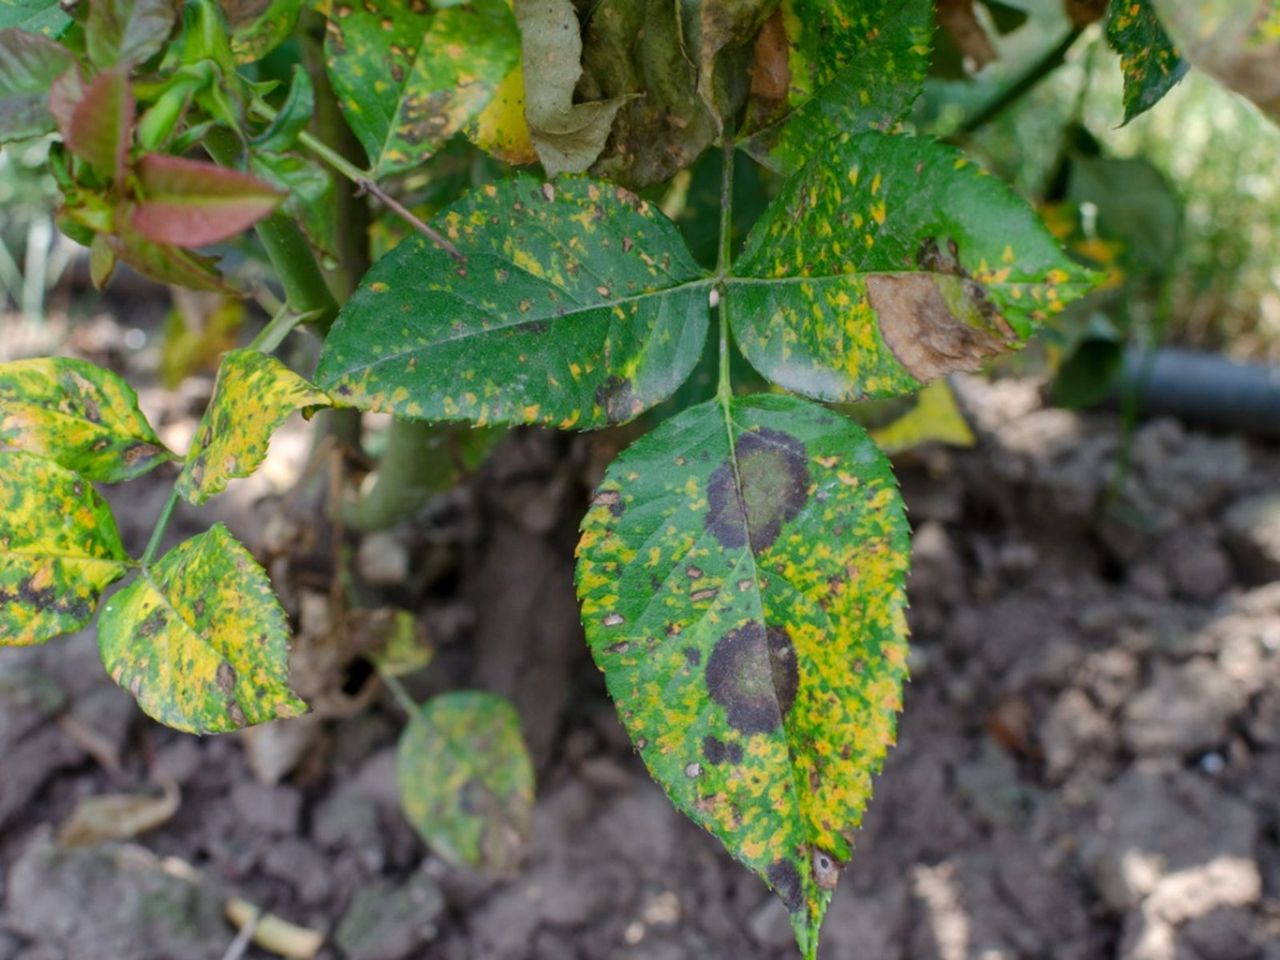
x,y
822,68
254,394
127,32
78,415
190,203
741,572
28,66
888,261
409,79
59,549
200,640
466,781
1148,58
578,306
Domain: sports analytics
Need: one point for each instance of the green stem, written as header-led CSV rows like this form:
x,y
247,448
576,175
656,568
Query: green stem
x,y
414,466
1020,86
724,388
277,328
407,703
157,533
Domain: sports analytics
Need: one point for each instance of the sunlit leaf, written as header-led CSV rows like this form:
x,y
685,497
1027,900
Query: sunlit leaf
x,y
578,305
1150,61
823,68
259,27
59,549
888,261
741,572
254,394
96,120
200,640
933,417
500,128
78,415
190,203
567,136
28,66
127,32
408,79
466,781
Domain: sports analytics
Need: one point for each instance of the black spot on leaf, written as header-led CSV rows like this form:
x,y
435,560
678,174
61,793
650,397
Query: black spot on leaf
x,y
775,485
784,878
752,673
717,751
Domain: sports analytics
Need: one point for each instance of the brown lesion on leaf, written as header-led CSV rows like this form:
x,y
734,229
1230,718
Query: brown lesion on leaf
x,y
716,751
774,475
826,869
916,314
770,73
752,672
784,878
617,399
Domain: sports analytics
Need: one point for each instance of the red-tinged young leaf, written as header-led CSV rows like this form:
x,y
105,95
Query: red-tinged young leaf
x,y
190,203
127,31
96,120
28,66
164,263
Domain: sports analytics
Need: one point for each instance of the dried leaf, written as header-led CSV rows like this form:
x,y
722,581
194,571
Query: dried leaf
x,y
273,934
102,819
957,17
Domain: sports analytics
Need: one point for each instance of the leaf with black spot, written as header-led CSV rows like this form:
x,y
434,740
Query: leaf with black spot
x,y
466,780
200,639
59,549
80,416
741,572
1151,63
254,394
888,261
578,305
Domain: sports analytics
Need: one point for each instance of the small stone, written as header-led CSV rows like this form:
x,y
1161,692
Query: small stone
x,y
1251,531
383,561
274,810
390,921
1184,711
299,863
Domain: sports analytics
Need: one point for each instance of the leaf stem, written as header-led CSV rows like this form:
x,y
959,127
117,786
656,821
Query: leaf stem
x,y
157,533
277,328
724,388
1020,86
407,703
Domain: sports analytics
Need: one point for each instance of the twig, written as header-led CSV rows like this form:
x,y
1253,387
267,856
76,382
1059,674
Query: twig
x,y
434,235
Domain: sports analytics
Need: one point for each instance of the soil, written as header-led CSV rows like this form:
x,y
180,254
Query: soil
x,y
1088,764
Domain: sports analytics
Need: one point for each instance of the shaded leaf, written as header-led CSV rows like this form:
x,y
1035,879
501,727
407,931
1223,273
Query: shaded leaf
x,y
200,640
293,116
408,79
190,203
1148,58
96,120
1235,41
567,136
119,816
822,69
254,394
933,417
199,329
466,781
959,20
59,549
28,66
400,643
309,194
259,26
127,32
578,305
44,17
162,262
889,261
741,571
78,415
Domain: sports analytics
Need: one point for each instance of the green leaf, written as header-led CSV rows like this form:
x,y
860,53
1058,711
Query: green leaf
x,y
96,120
466,781
80,416
190,203
888,261
568,136
408,80
309,194
822,69
257,28
933,416
127,32
59,549
44,17
293,116
741,572
162,262
578,306
254,394
200,640
1148,58
28,66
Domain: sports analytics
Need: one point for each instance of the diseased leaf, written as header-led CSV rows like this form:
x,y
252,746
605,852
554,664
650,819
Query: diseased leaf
x,y
28,66
567,136
78,415
259,26
200,640
59,549
741,572
1235,41
118,816
127,32
578,306
1150,61
408,79
43,17
254,394
933,417
466,781
500,128
190,203
822,68
96,121
888,261
199,329
959,19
